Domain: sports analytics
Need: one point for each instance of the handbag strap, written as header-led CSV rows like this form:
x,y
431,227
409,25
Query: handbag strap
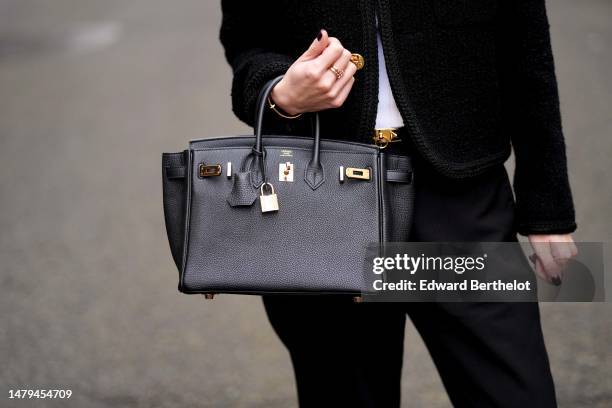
x,y
313,175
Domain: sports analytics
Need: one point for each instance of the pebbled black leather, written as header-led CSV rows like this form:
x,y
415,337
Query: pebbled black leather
x,y
174,189
221,242
243,193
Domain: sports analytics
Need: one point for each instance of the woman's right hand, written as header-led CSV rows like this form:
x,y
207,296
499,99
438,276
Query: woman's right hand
x,y
309,85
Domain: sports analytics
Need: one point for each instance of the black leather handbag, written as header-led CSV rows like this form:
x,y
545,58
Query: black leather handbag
x,y
282,214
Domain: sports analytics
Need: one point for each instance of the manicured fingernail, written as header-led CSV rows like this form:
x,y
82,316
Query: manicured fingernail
x,y
556,281
320,35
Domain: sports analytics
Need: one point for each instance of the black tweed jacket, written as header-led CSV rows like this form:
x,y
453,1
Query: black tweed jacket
x,y
471,79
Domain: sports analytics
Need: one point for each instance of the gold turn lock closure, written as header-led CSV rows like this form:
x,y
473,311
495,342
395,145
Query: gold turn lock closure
x,y
359,174
210,170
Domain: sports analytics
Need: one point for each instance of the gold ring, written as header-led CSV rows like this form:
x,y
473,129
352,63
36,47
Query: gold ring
x,y
358,60
337,71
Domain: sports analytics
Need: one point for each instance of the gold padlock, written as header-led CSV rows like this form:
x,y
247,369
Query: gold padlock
x,y
269,202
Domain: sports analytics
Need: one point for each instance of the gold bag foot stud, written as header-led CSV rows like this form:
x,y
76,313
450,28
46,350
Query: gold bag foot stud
x,y
209,296
357,299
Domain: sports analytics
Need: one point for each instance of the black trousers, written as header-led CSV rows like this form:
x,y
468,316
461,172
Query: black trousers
x,y
488,354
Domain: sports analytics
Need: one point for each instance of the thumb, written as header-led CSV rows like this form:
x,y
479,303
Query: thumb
x,y
317,46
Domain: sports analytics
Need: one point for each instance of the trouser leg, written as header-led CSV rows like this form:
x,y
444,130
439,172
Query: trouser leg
x,y
487,354
343,354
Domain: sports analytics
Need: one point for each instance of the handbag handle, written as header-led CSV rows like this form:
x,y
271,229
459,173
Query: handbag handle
x,y
313,175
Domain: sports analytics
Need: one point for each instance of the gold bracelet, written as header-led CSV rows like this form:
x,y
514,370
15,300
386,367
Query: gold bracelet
x,y
273,107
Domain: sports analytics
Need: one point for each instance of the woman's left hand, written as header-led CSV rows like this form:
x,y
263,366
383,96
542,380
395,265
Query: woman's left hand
x,y
551,255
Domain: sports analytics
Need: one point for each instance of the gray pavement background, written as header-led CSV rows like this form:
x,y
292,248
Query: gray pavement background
x,y
91,92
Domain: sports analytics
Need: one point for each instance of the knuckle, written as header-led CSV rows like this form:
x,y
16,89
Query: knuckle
x,y
336,46
334,41
350,83
331,94
311,73
323,86
336,103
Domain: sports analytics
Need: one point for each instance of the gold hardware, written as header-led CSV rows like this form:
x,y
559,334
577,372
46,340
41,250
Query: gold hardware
x,y
359,174
382,137
285,171
209,296
268,202
358,60
210,170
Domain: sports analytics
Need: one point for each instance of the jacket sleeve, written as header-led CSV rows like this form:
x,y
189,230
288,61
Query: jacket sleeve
x,y
253,49
531,108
